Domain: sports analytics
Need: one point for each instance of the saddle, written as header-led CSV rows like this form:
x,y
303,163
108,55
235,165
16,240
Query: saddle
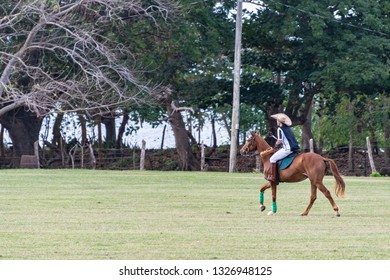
x,y
285,163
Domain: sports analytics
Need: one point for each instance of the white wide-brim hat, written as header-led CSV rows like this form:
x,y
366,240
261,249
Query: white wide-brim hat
x,y
283,118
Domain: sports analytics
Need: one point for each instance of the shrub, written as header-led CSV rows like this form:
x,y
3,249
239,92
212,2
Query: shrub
x,y
375,174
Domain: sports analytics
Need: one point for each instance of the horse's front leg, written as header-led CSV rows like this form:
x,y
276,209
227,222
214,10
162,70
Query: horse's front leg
x,y
262,189
274,208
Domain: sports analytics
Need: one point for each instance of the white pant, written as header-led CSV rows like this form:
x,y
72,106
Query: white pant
x,y
281,154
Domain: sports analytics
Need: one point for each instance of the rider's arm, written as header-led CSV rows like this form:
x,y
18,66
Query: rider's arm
x,y
279,134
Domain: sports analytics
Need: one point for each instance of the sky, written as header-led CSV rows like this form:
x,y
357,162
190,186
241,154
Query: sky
x,y
250,6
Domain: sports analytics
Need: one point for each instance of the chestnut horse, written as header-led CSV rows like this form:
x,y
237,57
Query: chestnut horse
x,y
306,165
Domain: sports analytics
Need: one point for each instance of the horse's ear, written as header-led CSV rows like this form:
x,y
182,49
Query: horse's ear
x,y
258,133
252,133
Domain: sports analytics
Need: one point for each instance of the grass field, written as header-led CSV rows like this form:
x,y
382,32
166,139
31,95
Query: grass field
x,y
85,214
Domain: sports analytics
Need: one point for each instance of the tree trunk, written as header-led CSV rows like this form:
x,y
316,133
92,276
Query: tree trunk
x,y
187,159
226,125
306,136
121,130
274,107
57,130
320,143
386,134
370,157
307,133
163,137
98,121
23,127
214,132
374,141
2,152
83,124
214,139
109,124
270,123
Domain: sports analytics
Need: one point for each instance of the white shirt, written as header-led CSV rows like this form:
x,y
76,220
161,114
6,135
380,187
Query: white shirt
x,y
281,136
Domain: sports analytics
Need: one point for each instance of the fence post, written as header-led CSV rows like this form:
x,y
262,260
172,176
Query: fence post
x,y
62,152
93,158
202,158
82,156
36,152
311,145
370,157
142,161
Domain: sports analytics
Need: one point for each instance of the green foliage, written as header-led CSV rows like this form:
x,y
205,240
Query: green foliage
x,y
124,162
336,129
251,119
357,116
190,54
336,51
171,165
223,149
375,174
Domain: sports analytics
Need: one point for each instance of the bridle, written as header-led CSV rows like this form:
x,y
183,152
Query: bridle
x,y
249,143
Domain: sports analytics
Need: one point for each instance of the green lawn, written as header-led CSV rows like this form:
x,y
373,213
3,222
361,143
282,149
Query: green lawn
x,y
85,214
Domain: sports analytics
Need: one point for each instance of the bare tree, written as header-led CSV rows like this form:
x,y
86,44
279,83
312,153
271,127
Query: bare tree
x,y
93,73
63,56
187,159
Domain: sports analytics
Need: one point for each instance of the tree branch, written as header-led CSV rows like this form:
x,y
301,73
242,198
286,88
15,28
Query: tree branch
x,y
66,62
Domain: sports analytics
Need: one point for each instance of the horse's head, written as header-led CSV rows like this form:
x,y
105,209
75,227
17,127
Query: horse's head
x,y
250,145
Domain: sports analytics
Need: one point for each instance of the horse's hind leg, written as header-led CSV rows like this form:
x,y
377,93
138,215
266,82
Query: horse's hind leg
x,y
327,194
261,198
313,198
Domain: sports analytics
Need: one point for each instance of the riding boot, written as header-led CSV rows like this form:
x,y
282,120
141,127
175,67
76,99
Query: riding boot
x,y
272,174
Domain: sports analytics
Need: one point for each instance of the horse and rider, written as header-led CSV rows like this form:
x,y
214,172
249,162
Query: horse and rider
x,y
286,142
303,166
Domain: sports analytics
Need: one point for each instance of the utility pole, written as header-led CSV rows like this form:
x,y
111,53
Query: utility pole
x,y
236,91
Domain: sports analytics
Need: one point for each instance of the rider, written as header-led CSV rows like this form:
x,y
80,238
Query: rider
x,y
285,138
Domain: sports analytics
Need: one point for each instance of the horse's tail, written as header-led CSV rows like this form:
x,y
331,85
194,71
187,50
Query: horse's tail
x,y
340,185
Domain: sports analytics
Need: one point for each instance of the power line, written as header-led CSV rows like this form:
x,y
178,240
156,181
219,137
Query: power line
x,y
262,4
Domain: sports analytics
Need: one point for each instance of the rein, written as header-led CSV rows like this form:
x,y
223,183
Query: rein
x,y
251,141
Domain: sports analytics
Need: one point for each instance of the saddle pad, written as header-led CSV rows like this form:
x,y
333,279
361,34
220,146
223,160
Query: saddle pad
x,y
286,162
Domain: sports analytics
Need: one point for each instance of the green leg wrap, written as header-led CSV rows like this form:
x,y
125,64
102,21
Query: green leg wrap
x,y
274,208
261,198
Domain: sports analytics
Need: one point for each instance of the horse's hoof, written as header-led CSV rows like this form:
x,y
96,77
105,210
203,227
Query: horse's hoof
x,y
271,213
337,214
262,208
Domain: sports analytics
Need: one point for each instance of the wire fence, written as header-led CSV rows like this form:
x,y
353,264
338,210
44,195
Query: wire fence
x,y
356,162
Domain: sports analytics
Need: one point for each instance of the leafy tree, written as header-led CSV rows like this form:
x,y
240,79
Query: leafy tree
x,y
317,49
186,57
